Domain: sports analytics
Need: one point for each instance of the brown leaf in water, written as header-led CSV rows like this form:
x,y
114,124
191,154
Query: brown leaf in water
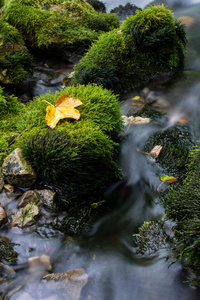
x,y
155,151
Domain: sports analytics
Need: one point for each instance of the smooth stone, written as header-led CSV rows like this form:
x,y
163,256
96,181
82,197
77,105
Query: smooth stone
x,y
3,216
31,196
17,171
25,216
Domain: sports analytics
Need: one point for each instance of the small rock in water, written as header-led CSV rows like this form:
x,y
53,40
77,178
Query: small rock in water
x,y
70,283
9,188
47,197
3,216
42,261
31,196
25,216
17,171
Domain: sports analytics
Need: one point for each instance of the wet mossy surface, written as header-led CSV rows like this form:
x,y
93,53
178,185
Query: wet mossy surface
x,y
16,63
182,205
57,24
130,56
79,158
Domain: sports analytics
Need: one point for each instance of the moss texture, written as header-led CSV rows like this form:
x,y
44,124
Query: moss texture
x,y
77,157
16,63
56,23
149,43
183,206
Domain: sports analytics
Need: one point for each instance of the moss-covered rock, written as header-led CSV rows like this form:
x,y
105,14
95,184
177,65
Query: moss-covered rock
x,y
123,11
98,5
148,44
7,253
183,206
57,24
10,108
79,157
16,63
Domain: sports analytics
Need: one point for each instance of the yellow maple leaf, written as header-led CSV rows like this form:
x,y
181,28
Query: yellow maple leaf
x,y
64,108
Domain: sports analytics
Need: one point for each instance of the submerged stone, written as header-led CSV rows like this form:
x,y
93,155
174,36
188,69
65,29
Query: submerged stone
x,y
3,216
17,171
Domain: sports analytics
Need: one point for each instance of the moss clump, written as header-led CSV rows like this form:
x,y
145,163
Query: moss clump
x,y
10,108
77,157
183,206
7,252
98,5
16,63
51,24
149,43
177,143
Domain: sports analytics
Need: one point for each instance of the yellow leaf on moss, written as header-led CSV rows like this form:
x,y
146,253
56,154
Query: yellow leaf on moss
x,y
64,108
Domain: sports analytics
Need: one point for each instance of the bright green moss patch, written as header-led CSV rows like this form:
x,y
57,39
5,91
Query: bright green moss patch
x,y
183,207
16,62
149,43
78,157
56,24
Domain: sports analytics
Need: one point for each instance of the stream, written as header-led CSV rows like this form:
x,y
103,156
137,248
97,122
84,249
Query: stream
x,y
107,253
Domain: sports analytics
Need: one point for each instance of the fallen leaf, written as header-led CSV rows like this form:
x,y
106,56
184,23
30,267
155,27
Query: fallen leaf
x,y
64,108
155,151
136,98
169,179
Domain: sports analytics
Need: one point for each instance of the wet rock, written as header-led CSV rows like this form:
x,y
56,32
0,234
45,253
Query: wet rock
x,y
3,216
69,283
25,216
1,180
17,171
161,103
31,196
9,188
42,261
6,270
48,197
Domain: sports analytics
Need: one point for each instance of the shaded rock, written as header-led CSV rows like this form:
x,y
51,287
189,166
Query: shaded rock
x,y
3,216
31,196
48,197
25,216
1,180
17,170
6,270
71,282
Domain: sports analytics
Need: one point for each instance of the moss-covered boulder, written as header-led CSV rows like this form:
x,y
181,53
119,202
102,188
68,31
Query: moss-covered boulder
x,y
182,205
149,43
16,63
98,5
77,157
57,24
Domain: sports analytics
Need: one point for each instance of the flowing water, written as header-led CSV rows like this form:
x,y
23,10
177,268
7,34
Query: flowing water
x,y
108,252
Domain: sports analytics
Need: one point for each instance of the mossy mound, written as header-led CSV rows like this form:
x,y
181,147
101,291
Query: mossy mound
x,y
123,11
16,62
183,206
57,24
78,157
9,110
149,43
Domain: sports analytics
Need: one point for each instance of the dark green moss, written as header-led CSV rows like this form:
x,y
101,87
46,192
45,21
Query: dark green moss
x,y
123,11
98,5
183,206
16,63
149,43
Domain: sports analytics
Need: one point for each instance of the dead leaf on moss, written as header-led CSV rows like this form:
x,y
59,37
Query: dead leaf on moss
x,y
64,108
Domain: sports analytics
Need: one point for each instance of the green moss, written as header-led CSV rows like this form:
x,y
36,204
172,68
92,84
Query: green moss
x,y
16,63
97,5
149,43
57,24
183,206
177,143
78,157
7,253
